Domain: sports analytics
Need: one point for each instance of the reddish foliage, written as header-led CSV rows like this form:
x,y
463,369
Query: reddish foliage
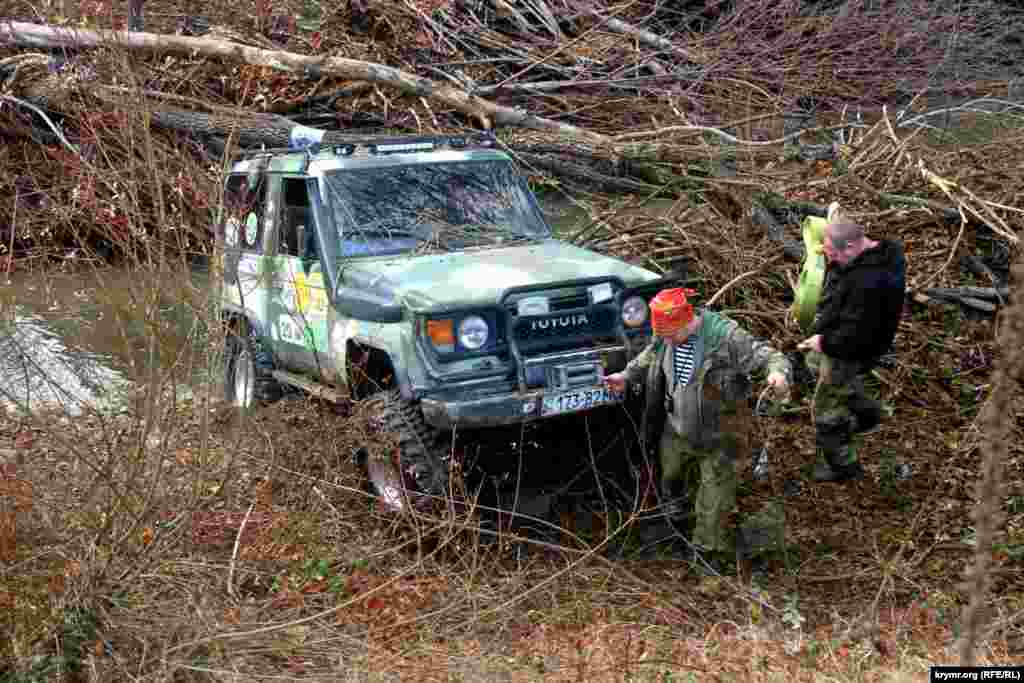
x,y
315,587
767,41
96,125
214,528
360,582
430,6
93,8
886,647
262,13
286,599
24,440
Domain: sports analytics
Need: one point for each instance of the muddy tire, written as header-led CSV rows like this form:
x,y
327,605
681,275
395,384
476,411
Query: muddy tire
x,y
247,374
421,449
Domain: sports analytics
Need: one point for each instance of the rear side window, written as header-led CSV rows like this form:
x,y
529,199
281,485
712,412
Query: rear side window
x,y
243,212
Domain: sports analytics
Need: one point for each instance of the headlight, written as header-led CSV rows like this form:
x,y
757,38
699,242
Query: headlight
x,y
473,332
634,311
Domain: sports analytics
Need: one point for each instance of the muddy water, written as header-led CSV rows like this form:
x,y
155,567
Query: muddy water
x,y
83,336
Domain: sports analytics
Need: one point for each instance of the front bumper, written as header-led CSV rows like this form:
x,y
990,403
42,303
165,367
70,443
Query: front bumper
x,y
497,411
474,406
493,411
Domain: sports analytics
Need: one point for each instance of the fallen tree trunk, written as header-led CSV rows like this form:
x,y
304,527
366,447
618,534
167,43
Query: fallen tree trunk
x,y
256,129
44,36
276,131
958,293
536,87
586,176
965,301
978,267
645,37
984,299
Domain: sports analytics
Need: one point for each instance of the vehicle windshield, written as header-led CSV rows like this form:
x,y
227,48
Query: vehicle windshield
x,y
430,207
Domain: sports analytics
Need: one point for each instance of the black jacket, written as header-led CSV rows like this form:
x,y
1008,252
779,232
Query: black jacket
x,y
862,304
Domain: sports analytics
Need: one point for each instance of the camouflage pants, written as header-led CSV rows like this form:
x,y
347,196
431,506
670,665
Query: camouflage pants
x,y
841,409
706,479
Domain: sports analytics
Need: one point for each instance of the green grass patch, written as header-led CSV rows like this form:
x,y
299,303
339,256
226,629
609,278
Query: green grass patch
x,y
977,128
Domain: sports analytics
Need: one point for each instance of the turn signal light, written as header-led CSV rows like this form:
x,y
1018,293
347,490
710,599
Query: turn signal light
x,y
441,334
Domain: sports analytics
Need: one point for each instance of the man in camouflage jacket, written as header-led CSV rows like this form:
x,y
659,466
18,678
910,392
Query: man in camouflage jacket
x,y
697,371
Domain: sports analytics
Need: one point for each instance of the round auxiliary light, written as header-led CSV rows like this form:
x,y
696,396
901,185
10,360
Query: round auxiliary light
x,y
634,311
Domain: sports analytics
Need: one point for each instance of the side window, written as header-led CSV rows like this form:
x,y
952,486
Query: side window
x,y
297,235
243,209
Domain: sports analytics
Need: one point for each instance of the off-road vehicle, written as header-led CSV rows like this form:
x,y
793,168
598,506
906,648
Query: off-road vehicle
x,y
422,270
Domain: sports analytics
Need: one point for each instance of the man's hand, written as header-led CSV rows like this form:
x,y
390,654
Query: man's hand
x,y
780,387
616,382
811,344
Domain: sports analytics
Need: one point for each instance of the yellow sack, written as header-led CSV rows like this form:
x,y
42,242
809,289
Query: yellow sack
x,y
812,275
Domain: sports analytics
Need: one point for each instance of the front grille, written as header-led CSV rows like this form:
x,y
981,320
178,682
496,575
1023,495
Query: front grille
x,y
573,322
590,322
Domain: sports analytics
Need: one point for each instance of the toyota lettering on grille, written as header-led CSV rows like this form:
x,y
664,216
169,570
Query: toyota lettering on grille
x,y
563,321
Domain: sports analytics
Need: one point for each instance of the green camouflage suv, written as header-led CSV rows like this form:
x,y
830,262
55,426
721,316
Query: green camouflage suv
x,y
422,271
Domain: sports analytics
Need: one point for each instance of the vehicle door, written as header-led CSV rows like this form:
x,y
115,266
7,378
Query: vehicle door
x,y
244,220
299,305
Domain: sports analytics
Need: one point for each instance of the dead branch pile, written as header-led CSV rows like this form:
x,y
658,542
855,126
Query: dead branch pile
x,y
746,119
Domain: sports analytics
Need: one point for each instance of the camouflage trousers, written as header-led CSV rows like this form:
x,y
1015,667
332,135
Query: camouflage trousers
x,y
706,480
841,408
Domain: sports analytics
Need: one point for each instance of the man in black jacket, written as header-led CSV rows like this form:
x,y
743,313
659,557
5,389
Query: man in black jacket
x,y
857,318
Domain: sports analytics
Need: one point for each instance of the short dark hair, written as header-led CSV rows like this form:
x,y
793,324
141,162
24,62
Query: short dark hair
x,y
843,233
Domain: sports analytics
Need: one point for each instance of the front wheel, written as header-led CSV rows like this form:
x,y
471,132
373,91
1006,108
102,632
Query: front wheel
x,y
248,374
421,452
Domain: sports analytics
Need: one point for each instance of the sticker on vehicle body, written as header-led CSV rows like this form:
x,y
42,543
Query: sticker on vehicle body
x,y
310,296
290,331
252,228
231,230
309,333
248,264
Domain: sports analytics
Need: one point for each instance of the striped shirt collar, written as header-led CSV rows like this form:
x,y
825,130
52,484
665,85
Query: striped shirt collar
x,y
683,358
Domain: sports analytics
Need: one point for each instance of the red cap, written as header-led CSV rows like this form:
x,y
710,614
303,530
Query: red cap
x,y
670,311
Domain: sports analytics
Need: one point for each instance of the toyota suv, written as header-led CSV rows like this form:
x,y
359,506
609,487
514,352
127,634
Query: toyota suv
x,y
420,271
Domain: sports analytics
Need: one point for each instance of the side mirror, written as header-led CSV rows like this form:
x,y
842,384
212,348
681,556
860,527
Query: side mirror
x,y
363,305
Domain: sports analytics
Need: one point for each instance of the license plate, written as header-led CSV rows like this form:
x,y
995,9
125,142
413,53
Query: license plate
x,y
578,399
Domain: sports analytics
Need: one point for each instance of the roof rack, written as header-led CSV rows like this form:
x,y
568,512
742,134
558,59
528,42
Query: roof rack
x,y
262,152
381,145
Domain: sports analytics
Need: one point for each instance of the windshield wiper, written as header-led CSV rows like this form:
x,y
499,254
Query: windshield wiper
x,y
515,237
384,232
